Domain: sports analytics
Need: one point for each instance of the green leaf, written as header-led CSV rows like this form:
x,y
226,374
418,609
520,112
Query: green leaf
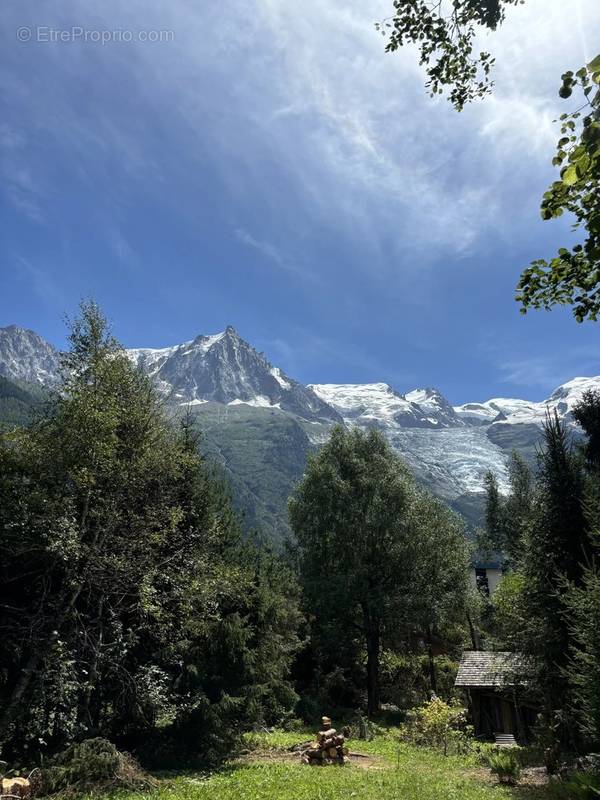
x,y
594,66
582,166
569,177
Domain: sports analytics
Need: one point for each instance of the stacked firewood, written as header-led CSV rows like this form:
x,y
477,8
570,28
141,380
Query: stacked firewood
x,y
15,787
330,747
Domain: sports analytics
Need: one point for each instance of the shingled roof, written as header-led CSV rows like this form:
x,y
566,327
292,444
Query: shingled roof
x,y
496,670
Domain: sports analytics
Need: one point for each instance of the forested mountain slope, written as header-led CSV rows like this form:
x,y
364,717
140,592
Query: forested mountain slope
x,y
259,425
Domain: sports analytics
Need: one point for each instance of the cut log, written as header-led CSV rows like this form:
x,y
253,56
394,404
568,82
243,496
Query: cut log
x,y
328,734
18,787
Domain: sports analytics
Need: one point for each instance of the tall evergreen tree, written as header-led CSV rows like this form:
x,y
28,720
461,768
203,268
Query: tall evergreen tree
x,y
583,669
556,549
583,598
518,509
548,607
507,518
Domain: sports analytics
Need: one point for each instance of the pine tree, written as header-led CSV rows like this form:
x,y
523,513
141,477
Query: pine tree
x,y
548,607
583,597
583,668
507,518
555,553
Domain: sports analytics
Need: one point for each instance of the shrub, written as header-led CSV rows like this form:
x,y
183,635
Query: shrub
x,y
439,724
93,763
578,786
505,765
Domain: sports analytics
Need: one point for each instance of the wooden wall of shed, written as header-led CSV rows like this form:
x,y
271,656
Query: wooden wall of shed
x,y
499,712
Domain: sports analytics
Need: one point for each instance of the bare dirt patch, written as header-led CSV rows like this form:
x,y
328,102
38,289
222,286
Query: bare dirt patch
x,y
531,776
282,756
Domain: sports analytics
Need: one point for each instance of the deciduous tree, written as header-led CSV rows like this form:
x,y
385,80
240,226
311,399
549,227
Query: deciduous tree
x,y
379,560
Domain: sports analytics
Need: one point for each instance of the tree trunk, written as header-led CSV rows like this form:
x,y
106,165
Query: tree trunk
x,y
33,662
85,713
372,634
475,638
18,692
432,674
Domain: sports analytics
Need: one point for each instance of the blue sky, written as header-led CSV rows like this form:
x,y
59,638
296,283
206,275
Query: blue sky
x,y
268,166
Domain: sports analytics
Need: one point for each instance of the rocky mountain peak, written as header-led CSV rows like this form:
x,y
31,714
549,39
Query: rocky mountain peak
x,y
25,356
224,368
433,403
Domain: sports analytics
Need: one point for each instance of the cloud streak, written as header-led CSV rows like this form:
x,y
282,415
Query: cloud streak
x,y
306,91
280,135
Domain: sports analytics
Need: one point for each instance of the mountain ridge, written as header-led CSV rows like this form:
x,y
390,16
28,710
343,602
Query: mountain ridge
x,y
246,407
25,355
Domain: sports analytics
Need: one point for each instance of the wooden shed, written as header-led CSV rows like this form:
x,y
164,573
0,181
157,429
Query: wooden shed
x,y
497,692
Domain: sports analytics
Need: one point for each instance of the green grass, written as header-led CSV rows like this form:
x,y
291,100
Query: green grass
x,y
399,773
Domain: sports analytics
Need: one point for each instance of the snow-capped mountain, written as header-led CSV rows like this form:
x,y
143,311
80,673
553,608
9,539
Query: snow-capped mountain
x,y
522,412
444,451
258,421
223,368
377,404
25,356
440,413
450,449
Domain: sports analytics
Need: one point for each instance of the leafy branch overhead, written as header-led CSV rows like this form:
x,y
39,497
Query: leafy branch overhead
x,y
573,276
445,35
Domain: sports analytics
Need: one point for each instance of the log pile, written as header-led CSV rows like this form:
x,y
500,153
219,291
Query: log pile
x,y
330,747
15,787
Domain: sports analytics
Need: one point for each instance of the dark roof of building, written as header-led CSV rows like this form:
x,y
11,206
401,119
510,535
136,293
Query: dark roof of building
x,y
497,670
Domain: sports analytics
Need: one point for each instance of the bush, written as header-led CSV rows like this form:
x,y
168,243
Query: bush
x,y
505,765
578,786
93,763
439,724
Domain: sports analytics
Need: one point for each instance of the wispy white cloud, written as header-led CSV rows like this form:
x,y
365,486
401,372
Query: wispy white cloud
x,y
547,373
301,113
273,255
18,181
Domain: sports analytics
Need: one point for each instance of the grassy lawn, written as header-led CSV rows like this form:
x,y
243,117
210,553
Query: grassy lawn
x,y
269,771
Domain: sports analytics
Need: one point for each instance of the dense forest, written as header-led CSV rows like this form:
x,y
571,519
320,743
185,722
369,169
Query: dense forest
x,y
132,609
547,605
194,583
130,606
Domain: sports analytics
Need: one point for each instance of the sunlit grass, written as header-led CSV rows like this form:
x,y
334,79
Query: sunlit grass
x,y
398,772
